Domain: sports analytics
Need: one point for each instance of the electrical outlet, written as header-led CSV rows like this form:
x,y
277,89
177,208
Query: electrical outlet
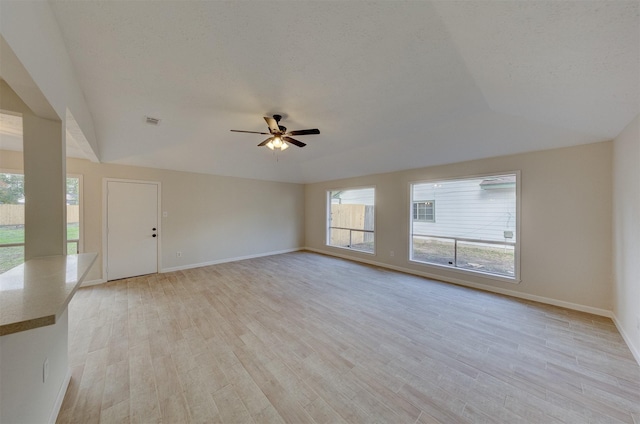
x,y
178,254
45,370
392,253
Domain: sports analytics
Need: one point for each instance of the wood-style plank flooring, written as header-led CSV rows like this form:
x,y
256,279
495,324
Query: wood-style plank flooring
x,y
306,338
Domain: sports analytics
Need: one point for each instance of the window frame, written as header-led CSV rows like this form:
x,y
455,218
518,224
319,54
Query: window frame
x,y
80,242
328,227
80,211
477,273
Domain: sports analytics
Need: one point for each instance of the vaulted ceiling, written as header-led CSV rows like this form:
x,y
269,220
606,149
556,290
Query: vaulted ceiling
x,y
390,84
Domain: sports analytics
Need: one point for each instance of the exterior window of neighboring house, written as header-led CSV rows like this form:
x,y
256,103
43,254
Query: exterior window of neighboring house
x,y
477,226
350,219
12,218
424,210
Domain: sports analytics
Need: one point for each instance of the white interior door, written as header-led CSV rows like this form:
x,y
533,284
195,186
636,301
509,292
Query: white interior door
x,y
132,229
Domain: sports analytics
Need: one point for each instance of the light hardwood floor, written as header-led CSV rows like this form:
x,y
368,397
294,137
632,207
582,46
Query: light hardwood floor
x,y
306,338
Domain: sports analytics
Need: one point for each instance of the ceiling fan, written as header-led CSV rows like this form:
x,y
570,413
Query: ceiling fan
x,y
280,137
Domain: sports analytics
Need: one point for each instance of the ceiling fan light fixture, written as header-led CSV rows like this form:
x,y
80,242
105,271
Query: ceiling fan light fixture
x,y
277,143
280,138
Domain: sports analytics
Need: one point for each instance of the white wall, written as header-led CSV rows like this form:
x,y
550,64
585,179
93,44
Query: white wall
x,y
36,47
626,234
24,396
35,64
565,230
210,218
44,187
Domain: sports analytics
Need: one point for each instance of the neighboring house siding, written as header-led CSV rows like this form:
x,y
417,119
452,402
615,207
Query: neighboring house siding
x,y
464,210
354,197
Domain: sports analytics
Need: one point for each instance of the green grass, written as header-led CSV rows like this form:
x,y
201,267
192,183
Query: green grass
x,y
11,234
15,234
14,256
10,257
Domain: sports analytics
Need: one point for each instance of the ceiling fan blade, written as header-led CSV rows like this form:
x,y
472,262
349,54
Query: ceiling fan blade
x,y
294,141
273,125
265,142
305,132
250,132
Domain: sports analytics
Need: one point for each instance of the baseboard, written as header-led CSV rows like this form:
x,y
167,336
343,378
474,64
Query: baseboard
x,y
512,293
60,398
225,260
201,264
93,282
635,352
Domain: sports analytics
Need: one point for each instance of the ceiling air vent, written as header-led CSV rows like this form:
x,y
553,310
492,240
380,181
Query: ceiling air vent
x,y
152,121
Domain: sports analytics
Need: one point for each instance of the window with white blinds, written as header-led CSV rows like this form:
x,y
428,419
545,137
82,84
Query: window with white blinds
x,y
476,225
350,219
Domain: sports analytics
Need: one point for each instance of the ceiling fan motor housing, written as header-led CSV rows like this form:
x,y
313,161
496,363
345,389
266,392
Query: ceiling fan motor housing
x,y
280,127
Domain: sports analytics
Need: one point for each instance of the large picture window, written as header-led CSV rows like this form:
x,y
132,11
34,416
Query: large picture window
x,y
12,227
476,228
350,220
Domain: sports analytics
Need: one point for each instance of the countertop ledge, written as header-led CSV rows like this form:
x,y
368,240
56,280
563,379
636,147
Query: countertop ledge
x,y
36,293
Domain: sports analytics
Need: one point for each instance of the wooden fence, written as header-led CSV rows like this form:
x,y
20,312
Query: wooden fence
x,y
351,216
14,214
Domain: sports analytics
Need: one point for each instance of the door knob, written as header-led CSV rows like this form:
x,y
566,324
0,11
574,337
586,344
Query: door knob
x,y
153,229
153,235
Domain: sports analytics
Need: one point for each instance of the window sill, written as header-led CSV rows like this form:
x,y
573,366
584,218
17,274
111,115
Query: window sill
x,y
487,275
350,249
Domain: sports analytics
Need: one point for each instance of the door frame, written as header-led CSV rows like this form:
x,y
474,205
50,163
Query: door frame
x,y
105,252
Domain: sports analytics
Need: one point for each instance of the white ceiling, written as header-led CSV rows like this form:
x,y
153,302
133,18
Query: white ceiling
x,y
11,136
391,85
